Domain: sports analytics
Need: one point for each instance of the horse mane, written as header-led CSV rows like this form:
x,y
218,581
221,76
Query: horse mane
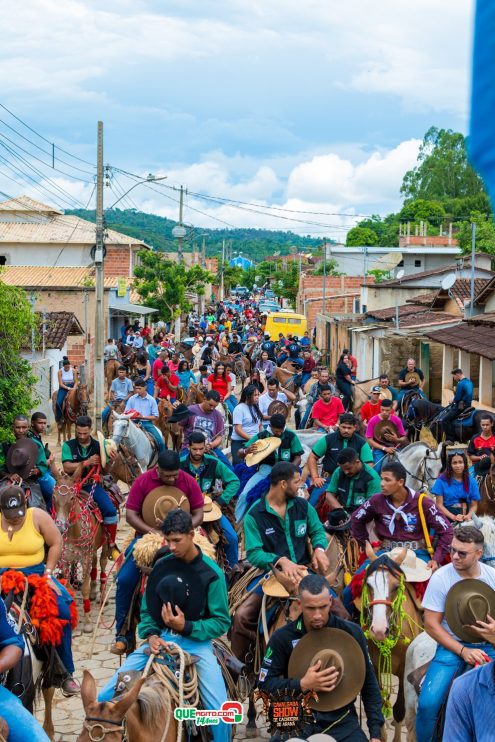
x,y
384,561
153,701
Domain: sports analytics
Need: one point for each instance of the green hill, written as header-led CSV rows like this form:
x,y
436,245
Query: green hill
x,y
257,244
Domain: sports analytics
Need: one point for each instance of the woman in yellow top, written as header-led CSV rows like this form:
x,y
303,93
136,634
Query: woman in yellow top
x,y
24,534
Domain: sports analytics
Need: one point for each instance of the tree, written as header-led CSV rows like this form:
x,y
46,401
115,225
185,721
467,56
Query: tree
x,y
485,234
443,170
386,229
165,284
16,378
359,236
421,210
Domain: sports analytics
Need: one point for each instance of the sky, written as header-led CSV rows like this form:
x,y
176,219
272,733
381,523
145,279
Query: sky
x,y
316,106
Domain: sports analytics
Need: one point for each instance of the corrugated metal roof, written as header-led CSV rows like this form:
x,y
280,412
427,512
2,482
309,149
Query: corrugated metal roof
x,y
35,276
25,203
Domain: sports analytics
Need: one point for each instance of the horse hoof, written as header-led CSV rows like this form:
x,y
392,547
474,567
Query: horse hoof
x,y
92,595
88,627
252,731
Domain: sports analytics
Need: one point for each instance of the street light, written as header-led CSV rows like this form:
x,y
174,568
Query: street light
x,y
149,179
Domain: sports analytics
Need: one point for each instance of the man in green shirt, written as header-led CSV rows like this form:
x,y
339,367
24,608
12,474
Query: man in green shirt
x,y
185,603
352,482
290,449
329,446
278,530
216,480
20,430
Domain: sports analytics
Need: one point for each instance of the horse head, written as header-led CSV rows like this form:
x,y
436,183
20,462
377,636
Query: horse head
x,y
82,396
63,496
384,579
120,428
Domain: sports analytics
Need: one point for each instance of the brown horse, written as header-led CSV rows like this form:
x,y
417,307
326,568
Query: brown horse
x,y
128,355
389,614
486,505
83,535
75,403
111,368
195,395
125,467
169,430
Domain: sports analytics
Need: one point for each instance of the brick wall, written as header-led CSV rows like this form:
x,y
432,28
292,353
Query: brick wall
x,y
312,286
428,240
118,261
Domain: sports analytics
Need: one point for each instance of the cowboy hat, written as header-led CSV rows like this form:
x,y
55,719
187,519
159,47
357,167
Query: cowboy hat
x,y
273,588
383,427
277,407
262,448
106,445
180,413
338,520
333,648
412,376
467,601
165,587
22,457
385,393
414,568
160,501
211,511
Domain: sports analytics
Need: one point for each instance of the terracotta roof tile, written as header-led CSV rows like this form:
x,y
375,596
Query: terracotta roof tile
x,y
481,342
59,325
41,277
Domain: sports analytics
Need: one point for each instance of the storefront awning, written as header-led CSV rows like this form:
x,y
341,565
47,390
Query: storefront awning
x,y
125,308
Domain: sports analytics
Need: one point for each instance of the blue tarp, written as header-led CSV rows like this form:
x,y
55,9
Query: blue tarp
x,y
240,262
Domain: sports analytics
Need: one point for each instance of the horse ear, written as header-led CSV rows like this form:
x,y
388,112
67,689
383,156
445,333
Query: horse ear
x,y
370,552
88,689
122,706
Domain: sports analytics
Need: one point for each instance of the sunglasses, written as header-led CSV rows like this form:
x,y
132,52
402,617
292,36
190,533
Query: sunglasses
x,y
461,554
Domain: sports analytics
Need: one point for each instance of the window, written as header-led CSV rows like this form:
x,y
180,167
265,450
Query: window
x,y
293,321
3,260
401,264
417,263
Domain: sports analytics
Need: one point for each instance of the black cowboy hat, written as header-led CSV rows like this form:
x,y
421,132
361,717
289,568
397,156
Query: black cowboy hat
x,y
180,413
338,520
171,589
22,457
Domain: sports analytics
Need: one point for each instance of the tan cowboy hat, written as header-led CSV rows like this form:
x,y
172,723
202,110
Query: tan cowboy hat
x,y
334,648
273,588
412,376
384,426
211,511
467,601
262,448
106,445
277,407
415,570
160,501
385,393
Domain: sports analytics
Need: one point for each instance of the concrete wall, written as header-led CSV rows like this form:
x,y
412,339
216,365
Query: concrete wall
x,y
43,388
312,287
351,260
332,336
383,297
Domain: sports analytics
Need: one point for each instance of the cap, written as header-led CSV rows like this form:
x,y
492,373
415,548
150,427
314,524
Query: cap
x,y
13,502
377,389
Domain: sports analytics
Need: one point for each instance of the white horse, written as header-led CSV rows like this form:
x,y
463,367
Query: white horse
x,y
422,649
135,439
422,464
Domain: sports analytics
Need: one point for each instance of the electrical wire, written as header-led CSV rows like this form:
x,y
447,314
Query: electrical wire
x,y
74,177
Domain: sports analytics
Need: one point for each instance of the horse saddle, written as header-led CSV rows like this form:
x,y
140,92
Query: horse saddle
x,y
466,416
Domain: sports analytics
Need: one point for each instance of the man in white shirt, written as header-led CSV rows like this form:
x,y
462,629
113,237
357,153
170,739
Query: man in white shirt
x,y
453,655
138,341
273,394
147,407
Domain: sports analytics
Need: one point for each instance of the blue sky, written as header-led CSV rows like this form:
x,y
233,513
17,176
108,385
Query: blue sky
x,y
316,105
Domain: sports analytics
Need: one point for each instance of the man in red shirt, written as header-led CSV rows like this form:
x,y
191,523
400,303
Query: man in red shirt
x,y
326,410
373,406
482,446
166,385
160,362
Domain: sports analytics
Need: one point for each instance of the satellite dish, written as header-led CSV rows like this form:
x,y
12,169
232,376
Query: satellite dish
x,y
387,262
400,274
448,281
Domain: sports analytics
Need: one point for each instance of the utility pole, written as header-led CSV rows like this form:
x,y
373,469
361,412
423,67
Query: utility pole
x,y
324,277
473,258
180,256
222,272
99,290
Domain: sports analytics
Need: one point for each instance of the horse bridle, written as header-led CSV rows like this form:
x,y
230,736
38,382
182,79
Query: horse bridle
x,y
120,727
426,478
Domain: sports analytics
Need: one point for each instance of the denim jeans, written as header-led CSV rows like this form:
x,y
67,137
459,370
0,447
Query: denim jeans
x,y
306,417
61,395
378,457
241,505
316,492
232,547
128,577
444,666
211,684
102,499
22,725
150,428
47,483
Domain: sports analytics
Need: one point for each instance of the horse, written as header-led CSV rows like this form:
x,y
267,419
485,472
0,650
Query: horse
x,y
75,404
135,439
169,430
390,619
422,650
362,391
79,522
422,464
128,355
195,395
111,369
124,467
486,505
422,412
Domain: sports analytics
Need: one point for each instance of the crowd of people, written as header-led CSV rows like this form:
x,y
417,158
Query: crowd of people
x,y
256,490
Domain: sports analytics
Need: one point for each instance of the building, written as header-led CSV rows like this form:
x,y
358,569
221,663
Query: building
x,y
355,261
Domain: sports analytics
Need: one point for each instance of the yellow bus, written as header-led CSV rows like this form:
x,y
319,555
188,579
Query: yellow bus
x,y
285,322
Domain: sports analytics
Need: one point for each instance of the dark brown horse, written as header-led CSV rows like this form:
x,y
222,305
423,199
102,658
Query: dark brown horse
x,y
75,403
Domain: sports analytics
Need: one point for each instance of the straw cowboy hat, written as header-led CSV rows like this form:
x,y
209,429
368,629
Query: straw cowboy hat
x,y
106,445
273,588
22,457
277,407
412,376
334,648
415,570
160,501
383,427
385,393
467,601
211,511
261,449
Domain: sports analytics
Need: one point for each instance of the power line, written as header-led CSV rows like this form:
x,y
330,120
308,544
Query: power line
x,y
74,177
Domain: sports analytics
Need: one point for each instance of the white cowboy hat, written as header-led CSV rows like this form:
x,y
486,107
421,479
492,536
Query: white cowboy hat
x,y
106,445
261,449
415,570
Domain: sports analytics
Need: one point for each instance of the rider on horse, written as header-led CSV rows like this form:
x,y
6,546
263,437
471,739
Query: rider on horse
x,y
67,380
84,448
273,394
314,393
352,483
326,410
411,378
481,447
166,473
216,480
385,433
144,404
324,631
185,603
463,399
16,467
278,529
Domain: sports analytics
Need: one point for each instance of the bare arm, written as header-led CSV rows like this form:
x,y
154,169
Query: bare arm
x,y
136,522
197,517
53,538
9,657
239,430
290,395
434,628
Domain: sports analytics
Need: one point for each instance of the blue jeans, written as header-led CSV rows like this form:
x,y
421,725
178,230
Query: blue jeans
x,y
232,547
61,395
378,457
241,505
105,505
128,577
47,483
211,684
316,492
150,428
306,417
22,725
444,666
